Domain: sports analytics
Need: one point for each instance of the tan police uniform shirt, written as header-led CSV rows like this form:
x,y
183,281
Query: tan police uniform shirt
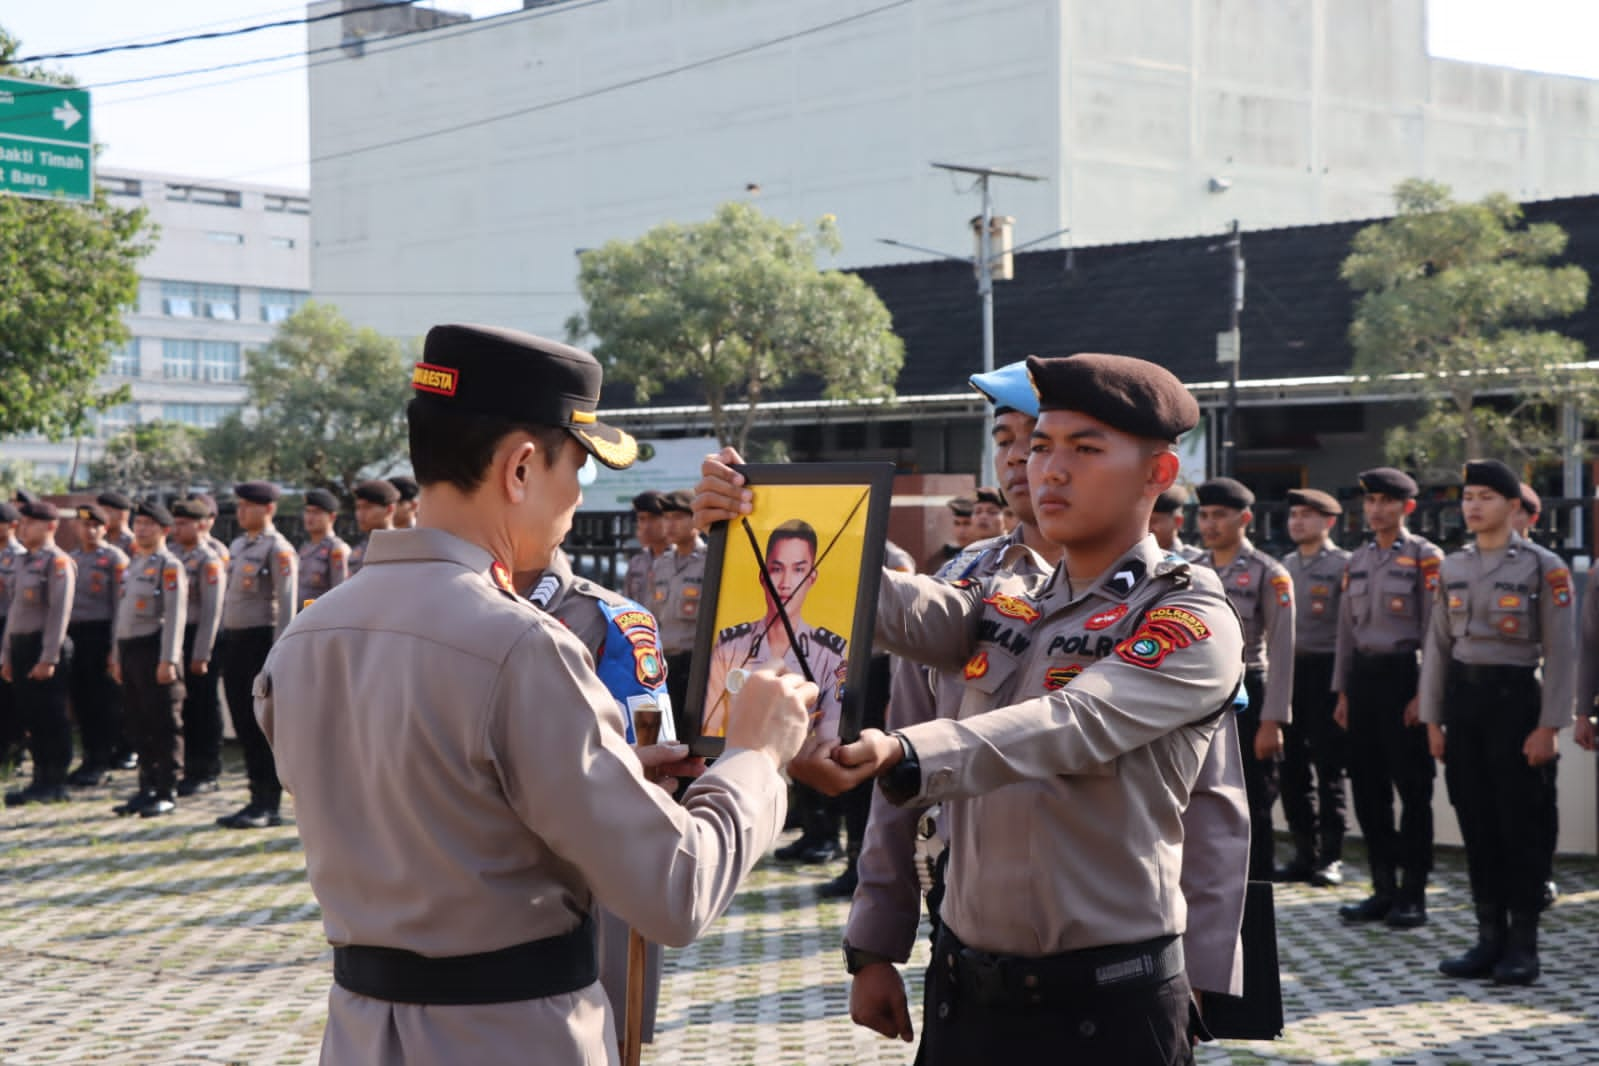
x,y
123,541
357,557
324,564
11,556
1263,595
461,785
677,581
223,551
1318,591
1087,715
204,573
1387,602
1588,652
155,598
99,584
263,581
1511,607
41,602
636,582
747,645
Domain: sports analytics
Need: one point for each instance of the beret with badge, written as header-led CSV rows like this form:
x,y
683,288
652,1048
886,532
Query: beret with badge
x,y
1009,389
1130,395
257,492
1389,482
115,500
42,510
190,508
1492,474
1316,500
513,375
678,502
1172,500
153,510
91,512
377,491
1225,492
322,499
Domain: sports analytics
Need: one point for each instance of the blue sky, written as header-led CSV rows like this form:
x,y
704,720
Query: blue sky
x,y
250,124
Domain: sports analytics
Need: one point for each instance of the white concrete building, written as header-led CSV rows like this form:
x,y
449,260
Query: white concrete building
x,y
457,171
229,263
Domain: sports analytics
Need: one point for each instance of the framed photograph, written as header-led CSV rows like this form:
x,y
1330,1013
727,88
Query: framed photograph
x,y
796,579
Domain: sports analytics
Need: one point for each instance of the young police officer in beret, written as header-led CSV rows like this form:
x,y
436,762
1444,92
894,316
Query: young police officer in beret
x,y
36,653
1092,698
650,523
375,503
1167,518
118,508
205,574
406,504
258,603
1382,621
148,660
1263,595
11,554
324,557
462,784
1504,609
96,703
1314,742
676,583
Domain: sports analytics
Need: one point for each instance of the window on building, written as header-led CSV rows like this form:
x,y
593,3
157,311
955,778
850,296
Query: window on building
x,y
220,301
279,304
224,237
181,299
114,420
294,205
220,361
200,415
180,360
205,194
122,186
125,360
283,242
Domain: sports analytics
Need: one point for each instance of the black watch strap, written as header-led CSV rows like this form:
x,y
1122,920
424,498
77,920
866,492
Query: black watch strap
x,y
856,959
903,782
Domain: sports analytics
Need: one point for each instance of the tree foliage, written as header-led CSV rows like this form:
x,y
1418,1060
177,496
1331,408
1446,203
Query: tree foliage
x,y
148,455
328,404
1452,298
66,273
738,305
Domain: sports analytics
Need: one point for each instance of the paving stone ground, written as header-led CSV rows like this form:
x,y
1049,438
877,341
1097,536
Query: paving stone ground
x,y
170,941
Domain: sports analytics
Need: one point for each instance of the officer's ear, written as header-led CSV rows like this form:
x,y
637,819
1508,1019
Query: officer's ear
x,y
1410,507
1164,466
515,462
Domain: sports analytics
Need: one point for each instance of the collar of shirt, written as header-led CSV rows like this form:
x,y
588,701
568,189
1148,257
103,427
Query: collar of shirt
x,y
1117,582
1246,551
420,545
554,582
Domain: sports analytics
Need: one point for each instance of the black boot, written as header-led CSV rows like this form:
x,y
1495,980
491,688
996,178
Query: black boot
x,y
1298,868
1480,959
1519,964
1375,907
843,886
1410,903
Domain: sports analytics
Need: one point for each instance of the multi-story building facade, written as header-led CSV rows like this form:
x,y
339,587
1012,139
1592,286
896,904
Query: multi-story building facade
x,y
230,262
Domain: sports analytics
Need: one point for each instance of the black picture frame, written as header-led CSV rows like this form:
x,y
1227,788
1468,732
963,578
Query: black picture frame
x,y
867,489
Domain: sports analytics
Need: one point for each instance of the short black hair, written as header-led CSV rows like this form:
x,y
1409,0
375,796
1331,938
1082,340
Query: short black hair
x,y
456,446
794,529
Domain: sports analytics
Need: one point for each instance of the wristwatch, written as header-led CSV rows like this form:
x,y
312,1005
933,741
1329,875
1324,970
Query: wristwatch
x,y
856,960
903,782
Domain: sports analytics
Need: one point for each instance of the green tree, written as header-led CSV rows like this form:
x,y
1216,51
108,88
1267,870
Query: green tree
x,y
148,455
1452,295
328,404
66,273
738,305
19,474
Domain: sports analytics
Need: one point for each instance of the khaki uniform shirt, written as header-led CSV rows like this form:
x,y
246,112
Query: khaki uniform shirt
x,y
324,564
223,551
1388,594
676,586
474,792
1191,552
745,647
203,570
636,583
1066,805
99,583
1588,659
41,601
1318,590
1506,608
11,555
263,580
1263,594
155,597
122,541
358,555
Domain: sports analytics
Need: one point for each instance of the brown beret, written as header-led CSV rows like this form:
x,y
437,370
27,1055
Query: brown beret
x,y
377,491
257,491
41,510
1389,482
1131,395
1172,500
91,512
1316,500
1530,500
1226,492
679,502
193,507
989,494
962,506
1492,474
647,502
406,486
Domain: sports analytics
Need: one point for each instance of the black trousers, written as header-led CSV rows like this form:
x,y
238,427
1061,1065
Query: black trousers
x,y
202,714
96,699
678,666
154,714
1507,811
246,654
1107,1027
1315,746
11,732
1260,781
1387,756
42,707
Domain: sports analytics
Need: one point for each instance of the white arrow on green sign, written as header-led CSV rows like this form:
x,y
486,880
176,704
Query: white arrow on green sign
x,y
45,145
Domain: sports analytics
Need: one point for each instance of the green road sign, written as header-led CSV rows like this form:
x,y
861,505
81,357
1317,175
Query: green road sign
x,y
45,146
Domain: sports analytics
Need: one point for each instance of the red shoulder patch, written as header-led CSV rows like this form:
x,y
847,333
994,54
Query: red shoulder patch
x,y
1559,581
1285,589
977,666
1014,607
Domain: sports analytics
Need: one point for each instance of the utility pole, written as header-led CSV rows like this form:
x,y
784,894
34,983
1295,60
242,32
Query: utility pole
x,y
1229,350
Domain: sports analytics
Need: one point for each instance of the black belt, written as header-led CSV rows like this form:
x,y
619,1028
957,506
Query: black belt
x,y
1313,656
1489,673
1385,657
1019,981
549,967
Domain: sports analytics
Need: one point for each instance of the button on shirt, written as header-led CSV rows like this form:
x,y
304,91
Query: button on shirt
x,y
677,580
204,572
263,580
41,602
1318,590
324,564
1510,607
1263,594
100,574
1388,595
155,596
